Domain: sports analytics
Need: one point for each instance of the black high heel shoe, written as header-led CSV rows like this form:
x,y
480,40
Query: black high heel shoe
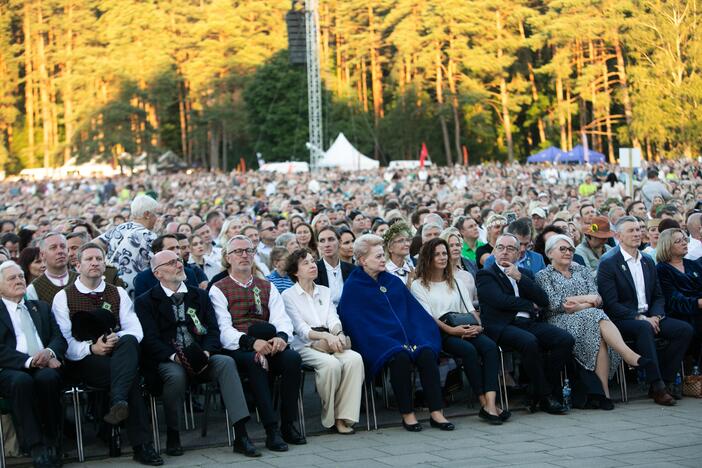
x,y
416,427
444,426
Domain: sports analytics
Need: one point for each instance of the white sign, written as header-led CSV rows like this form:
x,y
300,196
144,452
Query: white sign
x,y
629,157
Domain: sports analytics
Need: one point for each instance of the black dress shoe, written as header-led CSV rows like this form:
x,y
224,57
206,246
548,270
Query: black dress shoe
x,y
275,442
416,427
291,435
444,426
606,404
244,446
173,447
491,418
118,413
505,415
551,406
146,455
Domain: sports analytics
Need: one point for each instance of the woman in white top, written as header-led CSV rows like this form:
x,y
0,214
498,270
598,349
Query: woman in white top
x,y
455,242
320,340
397,240
439,292
612,188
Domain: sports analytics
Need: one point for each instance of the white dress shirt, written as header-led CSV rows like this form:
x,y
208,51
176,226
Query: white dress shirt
x,y
399,271
230,336
336,281
694,249
212,263
21,347
128,320
55,280
636,270
307,312
513,282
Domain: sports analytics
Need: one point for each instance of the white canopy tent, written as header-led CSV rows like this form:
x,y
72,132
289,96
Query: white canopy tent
x,y
344,156
286,167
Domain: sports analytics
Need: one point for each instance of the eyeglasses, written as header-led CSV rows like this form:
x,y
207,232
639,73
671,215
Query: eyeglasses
x,y
241,252
508,248
401,240
270,228
682,240
170,263
566,248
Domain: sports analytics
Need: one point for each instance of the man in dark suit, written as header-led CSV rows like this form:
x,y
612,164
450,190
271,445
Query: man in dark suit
x,y
332,271
181,338
31,351
508,307
632,297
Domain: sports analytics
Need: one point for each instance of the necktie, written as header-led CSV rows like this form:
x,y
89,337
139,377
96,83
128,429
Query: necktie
x,y
29,330
177,298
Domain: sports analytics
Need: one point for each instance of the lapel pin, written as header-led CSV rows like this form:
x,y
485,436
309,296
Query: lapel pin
x,y
383,289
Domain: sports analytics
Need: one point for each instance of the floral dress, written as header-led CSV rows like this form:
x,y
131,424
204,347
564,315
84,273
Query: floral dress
x,y
584,324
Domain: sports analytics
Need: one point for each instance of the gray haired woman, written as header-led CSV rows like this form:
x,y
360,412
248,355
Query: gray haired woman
x,y
574,305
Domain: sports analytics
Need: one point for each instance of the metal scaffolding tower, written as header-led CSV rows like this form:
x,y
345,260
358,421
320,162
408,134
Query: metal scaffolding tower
x,y
314,83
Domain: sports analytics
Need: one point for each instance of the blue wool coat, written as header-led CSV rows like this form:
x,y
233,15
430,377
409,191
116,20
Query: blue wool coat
x,y
383,318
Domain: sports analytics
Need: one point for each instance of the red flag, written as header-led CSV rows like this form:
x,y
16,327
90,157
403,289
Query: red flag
x,y
423,155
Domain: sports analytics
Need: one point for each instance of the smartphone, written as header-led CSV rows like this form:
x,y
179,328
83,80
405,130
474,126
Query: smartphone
x,y
510,216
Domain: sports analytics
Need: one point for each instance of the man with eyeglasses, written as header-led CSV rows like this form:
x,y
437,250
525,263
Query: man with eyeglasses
x,y
509,303
267,233
103,334
260,260
255,330
527,259
181,342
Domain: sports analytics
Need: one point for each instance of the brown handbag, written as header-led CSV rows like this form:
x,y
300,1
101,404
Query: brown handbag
x,y
322,346
692,386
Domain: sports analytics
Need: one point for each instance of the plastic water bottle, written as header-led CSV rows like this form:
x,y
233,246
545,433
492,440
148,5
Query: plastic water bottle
x,y
696,370
566,394
115,442
677,385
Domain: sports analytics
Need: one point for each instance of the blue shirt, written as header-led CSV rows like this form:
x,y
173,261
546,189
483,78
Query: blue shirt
x,y
531,261
281,282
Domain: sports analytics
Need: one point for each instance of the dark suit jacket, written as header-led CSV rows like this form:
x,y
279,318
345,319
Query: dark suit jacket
x,y
155,312
499,305
469,266
323,280
616,287
681,290
46,326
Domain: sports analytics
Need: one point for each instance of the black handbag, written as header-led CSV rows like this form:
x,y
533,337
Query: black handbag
x,y
458,319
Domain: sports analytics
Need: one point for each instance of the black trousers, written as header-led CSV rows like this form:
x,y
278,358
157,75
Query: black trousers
x,y
287,364
35,398
400,366
544,350
119,374
482,378
677,332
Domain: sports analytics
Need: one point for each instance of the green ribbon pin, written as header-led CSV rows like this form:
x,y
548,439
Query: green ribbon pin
x,y
257,300
107,306
196,320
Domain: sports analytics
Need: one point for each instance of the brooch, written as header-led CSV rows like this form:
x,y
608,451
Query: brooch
x,y
623,267
107,306
694,273
201,330
383,289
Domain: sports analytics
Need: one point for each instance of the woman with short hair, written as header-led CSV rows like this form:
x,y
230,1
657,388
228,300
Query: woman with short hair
x,y
389,327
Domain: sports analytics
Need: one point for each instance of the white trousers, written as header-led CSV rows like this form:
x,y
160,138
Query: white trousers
x,y
339,379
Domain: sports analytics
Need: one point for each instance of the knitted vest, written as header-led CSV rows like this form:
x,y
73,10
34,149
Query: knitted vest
x,y
46,290
79,302
241,303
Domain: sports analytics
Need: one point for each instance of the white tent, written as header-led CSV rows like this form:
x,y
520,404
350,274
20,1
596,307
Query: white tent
x,y
287,167
344,156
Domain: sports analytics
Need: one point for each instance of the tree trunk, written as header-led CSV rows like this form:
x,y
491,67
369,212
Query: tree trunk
x,y
44,91
534,92
560,105
504,96
29,82
376,77
451,76
626,99
608,117
68,86
183,124
439,86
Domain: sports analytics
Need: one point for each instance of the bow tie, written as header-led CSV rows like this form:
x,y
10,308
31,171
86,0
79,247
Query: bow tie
x,y
177,298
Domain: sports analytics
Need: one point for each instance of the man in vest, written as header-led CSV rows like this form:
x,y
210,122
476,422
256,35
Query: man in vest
x,y
103,334
53,250
180,341
254,330
31,350
74,241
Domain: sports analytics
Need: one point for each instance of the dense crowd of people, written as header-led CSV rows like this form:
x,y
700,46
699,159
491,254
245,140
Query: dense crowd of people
x,y
157,282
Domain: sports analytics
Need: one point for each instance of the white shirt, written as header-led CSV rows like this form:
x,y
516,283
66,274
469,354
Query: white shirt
x,y
636,270
307,312
694,249
439,299
128,320
20,338
336,281
261,264
56,281
513,282
400,272
230,336
212,263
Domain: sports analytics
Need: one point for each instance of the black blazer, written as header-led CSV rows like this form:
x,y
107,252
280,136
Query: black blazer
x,y
681,290
323,280
155,312
499,305
616,287
46,326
